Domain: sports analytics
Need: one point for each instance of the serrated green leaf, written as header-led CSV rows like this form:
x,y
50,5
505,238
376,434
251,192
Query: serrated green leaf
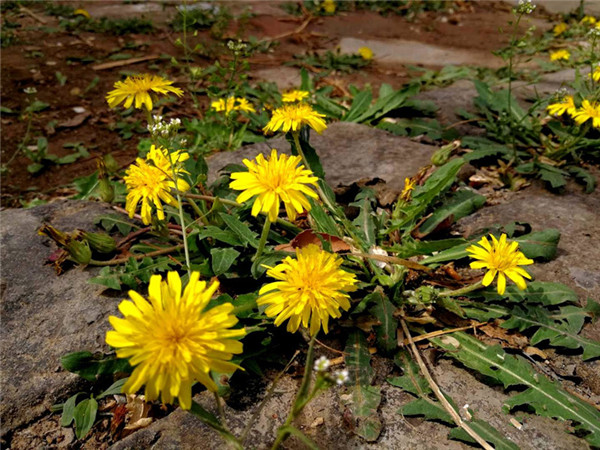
x,y
438,183
540,244
87,187
429,409
221,235
323,222
411,381
246,235
360,104
383,310
462,203
552,175
222,259
544,396
537,292
364,399
558,331
107,278
487,432
88,365
85,416
365,222
110,221
583,177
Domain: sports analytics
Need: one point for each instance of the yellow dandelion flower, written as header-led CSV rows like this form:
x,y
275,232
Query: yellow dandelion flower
x,y
560,28
139,88
588,111
566,105
149,184
82,12
274,180
502,258
329,6
161,158
294,117
595,75
172,341
294,96
588,20
232,104
409,186
244,105
310,289
560,55
366,53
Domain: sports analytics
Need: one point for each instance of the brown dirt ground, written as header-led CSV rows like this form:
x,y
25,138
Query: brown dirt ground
x,y
470,26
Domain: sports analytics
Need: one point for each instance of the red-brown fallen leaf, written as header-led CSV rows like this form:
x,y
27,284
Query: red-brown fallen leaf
x,y
308,237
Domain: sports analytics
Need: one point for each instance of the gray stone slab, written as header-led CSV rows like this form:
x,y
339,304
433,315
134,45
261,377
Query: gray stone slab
x,y
181,430
284,77
44,315
349,152
400,51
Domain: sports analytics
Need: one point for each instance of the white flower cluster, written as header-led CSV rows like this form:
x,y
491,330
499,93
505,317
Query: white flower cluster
x,y
322,364
339,377
594,33
236,47
525,7
381,252
163,128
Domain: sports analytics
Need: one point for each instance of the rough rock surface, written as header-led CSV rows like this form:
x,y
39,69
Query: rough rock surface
x,y
323,421
44,316
400,51
349,152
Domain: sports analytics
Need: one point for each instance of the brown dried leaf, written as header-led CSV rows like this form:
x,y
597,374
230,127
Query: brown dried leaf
x,y
308,237
75,121
510,339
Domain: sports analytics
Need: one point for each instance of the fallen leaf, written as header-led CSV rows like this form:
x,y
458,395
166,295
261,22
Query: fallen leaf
x,y
514,340
535,351
317,422
75,121
308,237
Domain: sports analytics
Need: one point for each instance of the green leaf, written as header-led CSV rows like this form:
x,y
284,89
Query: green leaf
x,y
411,381
311,155
68,410
35,167
365,221
221,235
360,104
88,365
113,389
438,183
552,175
487,432
223,259
326,106
107,277
364,399
110,221
388,102
558,331
324,223
429,409
583,177
540,244
246,235
537,292
386,332
544,396
85,416
462,203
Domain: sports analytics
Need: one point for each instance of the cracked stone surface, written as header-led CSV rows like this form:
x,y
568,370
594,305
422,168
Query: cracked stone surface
x,y
349,152
44,316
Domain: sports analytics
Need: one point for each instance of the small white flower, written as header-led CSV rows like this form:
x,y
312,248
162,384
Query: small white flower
x,y
322,364
30,90
525,7
341,377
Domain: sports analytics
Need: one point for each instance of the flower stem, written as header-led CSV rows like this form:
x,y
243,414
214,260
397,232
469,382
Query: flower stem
x,y
461,291
284,431
263,239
